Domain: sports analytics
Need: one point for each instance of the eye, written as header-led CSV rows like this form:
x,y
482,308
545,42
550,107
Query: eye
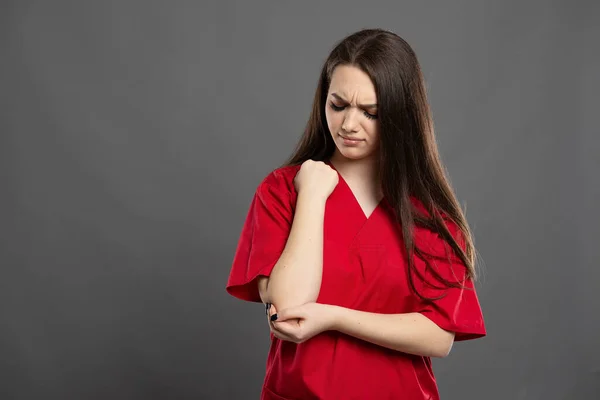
x,y
336,107
370,116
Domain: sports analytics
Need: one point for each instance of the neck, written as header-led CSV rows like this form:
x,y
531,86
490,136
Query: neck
x,y
364,170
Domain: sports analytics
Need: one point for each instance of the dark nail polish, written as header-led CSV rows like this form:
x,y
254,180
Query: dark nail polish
x,y
274,317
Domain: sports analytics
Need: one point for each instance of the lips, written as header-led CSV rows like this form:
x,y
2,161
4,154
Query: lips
x,y
351,139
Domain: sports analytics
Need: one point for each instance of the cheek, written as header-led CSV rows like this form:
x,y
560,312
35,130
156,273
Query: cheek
x,y
333,120
372,129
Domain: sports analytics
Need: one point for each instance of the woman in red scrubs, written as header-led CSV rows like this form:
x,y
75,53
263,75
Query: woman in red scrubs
x,y
358,246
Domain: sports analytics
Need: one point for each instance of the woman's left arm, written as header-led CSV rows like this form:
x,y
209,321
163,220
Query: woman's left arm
x,y
411,333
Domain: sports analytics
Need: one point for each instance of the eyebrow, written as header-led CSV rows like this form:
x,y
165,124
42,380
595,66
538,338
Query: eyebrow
x,y
340,98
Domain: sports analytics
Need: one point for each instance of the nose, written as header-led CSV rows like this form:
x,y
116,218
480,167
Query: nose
x,y
350,122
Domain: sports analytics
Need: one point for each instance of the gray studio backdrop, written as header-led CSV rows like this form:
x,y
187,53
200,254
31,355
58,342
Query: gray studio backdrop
x,y
133,135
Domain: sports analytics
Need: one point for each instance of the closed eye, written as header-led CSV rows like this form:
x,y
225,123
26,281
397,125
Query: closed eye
x,y
337,108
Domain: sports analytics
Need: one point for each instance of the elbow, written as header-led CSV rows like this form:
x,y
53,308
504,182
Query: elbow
x,y
284,294
283,299
444,347
288,300
263,284
442,352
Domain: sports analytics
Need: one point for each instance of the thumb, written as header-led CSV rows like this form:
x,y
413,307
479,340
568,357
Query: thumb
x,y
272,310
287,314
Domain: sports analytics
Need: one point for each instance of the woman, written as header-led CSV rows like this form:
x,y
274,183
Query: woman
x,y
357,246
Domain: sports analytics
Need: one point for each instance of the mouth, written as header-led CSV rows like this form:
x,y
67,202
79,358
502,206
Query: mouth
x,y
351,140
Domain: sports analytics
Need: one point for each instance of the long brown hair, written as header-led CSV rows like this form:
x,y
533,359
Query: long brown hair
x,y
410,165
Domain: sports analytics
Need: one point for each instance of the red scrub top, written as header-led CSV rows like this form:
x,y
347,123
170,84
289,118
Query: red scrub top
x,y
363,269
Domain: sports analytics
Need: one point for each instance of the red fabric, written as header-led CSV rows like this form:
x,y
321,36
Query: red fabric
x,y
363,269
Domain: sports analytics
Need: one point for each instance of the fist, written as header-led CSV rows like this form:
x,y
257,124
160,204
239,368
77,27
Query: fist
x,y
316,179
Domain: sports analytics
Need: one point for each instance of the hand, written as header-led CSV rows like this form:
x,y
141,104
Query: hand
x,y
298,324
315,179
271,310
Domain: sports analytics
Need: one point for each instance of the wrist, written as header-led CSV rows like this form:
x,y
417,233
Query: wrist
x,y
311,200
335,314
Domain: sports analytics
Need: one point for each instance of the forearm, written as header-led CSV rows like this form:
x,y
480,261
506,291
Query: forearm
x,y
296,278
411,333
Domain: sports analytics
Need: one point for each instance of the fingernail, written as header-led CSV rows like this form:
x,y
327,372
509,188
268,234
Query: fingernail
x,y
274,317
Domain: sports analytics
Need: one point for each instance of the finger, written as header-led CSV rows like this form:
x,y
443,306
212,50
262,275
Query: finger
x,y
288,314
289,328
274,321
272,310
283,337
278,333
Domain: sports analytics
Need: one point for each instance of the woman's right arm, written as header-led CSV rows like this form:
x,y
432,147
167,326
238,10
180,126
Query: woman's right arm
x,y
296,277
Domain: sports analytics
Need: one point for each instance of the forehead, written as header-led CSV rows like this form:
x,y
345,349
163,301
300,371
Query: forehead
x,y
350,81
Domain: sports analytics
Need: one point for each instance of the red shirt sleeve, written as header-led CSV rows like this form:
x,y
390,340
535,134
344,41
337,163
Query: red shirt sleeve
x,y
458,310
263,237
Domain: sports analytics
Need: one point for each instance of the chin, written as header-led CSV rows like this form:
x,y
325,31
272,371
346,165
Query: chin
x,y
354,153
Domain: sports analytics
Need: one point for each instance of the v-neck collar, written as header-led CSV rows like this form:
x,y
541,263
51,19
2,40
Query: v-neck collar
x,y
344,183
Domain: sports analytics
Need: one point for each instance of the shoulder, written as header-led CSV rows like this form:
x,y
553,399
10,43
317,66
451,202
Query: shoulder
x,y
280,181
426,234
437,249
283,176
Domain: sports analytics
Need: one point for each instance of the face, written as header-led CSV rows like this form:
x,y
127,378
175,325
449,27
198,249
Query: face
x,y
351,113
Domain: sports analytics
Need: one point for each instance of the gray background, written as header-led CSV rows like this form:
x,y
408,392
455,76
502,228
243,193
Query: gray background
x,y
132,137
